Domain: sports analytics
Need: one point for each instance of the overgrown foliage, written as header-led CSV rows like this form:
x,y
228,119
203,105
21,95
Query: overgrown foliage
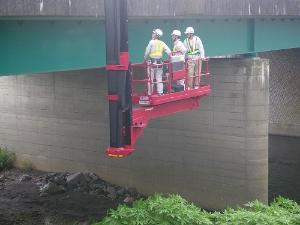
x,y
6,159
174,210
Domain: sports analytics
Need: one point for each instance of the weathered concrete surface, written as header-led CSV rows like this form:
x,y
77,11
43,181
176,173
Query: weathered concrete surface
x,y
145,8
216,156
284,92
284,124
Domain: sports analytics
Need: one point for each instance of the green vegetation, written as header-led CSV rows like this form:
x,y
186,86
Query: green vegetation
x,y
6,159
26,165
174,210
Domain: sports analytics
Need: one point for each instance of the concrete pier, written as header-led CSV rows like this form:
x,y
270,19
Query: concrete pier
x,y
216,156
284,125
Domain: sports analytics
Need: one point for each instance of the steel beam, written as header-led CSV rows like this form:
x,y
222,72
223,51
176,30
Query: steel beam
x,y
46,45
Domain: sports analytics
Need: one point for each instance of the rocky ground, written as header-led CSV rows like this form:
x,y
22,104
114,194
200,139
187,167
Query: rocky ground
x,y
38,198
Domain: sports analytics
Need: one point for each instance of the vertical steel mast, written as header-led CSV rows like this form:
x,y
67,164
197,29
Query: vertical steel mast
x,y
119,81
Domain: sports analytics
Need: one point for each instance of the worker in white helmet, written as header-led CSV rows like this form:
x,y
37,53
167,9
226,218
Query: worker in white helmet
x,y
153,56
179,49
195,55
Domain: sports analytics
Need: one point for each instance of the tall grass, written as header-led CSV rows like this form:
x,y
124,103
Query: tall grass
x,y
6,158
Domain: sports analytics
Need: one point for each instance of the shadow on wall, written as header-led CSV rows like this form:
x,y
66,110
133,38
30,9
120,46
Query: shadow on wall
x,y
284,167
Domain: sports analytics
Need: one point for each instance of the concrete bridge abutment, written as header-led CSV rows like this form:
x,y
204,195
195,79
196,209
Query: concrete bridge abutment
x,y
216,156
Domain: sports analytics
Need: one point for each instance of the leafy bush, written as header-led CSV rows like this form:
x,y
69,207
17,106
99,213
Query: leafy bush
x,y
6,159
280,212
174,210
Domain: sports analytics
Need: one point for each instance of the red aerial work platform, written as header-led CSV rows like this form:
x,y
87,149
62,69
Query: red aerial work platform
x,y
133,101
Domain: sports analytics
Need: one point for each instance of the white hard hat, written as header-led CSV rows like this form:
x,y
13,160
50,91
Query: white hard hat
x,y
189,30
176,32
158,32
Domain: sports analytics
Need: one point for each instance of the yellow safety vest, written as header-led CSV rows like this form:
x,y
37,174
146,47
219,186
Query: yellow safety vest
x,y
157,49
192,49
175,50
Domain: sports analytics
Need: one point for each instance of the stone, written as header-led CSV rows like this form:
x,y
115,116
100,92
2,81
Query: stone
x,y
76,179
39,183
2,178
43,194
50,177
112,196
24,178
111,190
93,176
98,187
84,223
51,189
87,177
60,180
132,191
121,191
128,199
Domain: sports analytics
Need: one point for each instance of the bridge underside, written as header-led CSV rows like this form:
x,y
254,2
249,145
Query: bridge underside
x,y
35,45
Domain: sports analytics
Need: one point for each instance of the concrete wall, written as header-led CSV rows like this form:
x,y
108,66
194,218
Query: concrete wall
x,y
169,8
284,123
284,92
216,156
284,167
